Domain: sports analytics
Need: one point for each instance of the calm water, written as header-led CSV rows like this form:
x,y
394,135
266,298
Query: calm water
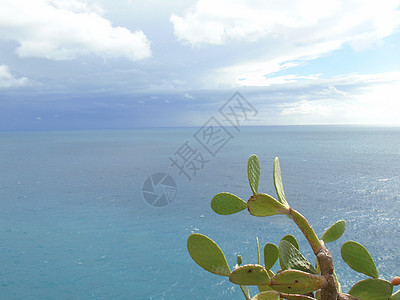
x,y
74,225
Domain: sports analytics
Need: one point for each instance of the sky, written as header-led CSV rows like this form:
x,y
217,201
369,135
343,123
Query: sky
x,y
75,64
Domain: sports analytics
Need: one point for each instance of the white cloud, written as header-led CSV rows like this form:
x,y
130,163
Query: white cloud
x,y
356,21
317,108
188,96
289,32
256,72
359,99
211,22
379,105
7,80
64,30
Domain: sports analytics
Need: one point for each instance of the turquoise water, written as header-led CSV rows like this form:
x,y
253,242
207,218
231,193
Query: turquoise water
x,y
74,224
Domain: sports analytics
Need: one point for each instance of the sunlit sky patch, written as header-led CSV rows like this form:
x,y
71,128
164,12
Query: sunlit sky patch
x,y
71,64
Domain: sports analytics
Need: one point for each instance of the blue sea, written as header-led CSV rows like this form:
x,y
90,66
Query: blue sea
x,y
75,222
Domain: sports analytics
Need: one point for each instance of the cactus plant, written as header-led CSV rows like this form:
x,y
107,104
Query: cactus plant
x,y
297,278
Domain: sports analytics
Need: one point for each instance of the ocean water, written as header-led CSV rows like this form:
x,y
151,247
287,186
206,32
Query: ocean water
x,y
74,223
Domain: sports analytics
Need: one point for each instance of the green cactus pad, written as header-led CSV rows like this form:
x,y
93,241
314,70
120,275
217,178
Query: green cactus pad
x,y
206,253
334,232
253,173
227,204
264,288
278,182
271,255
372,289
294,281
395,296
269,295
291,239
262,205
358,258
249,275
291,258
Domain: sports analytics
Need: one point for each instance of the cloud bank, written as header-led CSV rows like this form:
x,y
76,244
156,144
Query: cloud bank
x,y
288,33
357,22
344,99
65,30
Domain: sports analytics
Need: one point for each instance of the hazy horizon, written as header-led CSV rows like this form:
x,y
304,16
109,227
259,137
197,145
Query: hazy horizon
x,y
94,64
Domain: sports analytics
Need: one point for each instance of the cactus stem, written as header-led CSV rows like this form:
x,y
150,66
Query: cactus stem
x,y
307,230
329,291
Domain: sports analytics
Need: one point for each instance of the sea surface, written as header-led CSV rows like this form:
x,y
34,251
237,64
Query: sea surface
x,y
75,223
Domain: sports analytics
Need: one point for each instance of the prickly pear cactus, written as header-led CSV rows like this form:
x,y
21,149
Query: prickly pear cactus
x,y
359,259
334,232
207,254
297,278
227,204
291,258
